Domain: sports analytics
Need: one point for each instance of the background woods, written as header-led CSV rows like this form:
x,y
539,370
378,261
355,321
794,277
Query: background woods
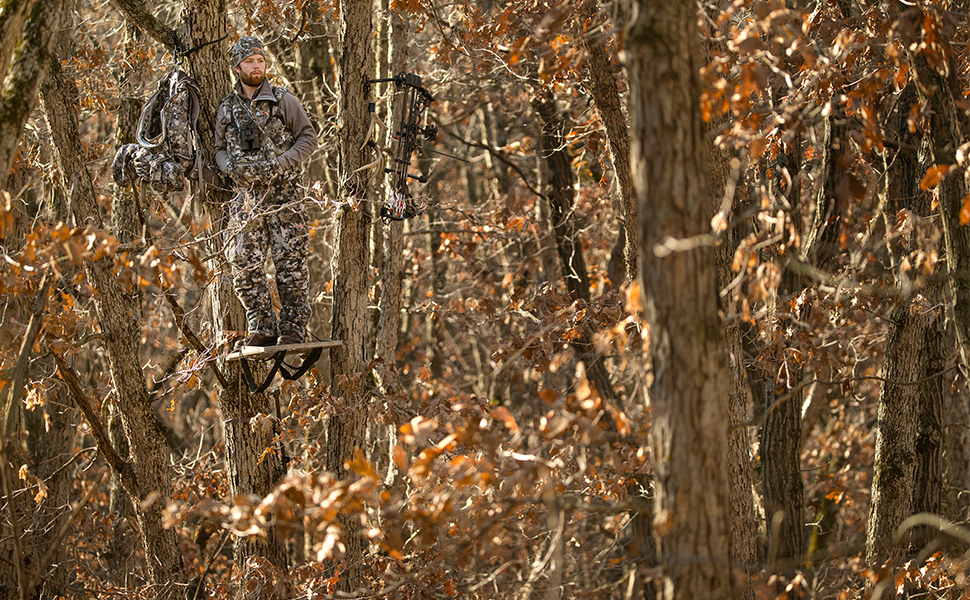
x,y
685,315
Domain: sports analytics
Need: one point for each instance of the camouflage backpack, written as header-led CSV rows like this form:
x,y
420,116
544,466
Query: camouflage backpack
x,y
165,153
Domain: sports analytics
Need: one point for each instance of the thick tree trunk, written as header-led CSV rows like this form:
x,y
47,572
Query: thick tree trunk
x,y
30,60
149,482
948,130
392,271
895,461
745,529
691,370
345,432
909,463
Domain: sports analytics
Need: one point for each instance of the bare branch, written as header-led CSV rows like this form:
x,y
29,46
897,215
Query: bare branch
x,y
100,435
136,12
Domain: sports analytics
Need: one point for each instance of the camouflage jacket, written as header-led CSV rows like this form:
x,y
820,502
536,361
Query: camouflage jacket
x,y
273,125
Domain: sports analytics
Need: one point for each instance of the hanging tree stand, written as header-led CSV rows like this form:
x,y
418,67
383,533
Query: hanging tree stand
x,y
311,352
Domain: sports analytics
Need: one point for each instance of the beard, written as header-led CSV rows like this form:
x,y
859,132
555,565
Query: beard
x,y
253,80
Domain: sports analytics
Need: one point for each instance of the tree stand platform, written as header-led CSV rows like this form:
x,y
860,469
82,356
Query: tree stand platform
x,y
311,352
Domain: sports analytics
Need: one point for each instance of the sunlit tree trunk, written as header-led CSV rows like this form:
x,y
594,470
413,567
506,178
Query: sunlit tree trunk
x,y
390,237
909,463
691,370
345,433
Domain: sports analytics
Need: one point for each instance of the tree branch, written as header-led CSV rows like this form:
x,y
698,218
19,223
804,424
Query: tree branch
x,y
97,429
28,67
136,12
19,374
495,153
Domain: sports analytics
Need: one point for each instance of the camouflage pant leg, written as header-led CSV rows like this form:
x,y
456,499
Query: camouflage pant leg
x,y
246,254
290,243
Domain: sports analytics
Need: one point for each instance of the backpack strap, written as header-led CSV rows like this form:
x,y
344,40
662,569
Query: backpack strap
x,y
151,129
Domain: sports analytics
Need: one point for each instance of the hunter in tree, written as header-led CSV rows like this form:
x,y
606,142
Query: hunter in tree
x,y
263,136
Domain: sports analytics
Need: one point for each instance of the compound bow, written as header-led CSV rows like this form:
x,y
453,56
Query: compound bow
x,y
400,204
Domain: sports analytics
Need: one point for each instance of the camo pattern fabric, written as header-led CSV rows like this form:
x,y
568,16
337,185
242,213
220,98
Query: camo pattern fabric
x,y
246,47
257,134
276,221
161,172
162,168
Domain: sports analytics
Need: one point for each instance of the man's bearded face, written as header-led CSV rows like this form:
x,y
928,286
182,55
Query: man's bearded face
x,y
252,70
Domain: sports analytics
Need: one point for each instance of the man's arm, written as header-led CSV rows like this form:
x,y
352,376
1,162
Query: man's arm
x,y
222,157
305,136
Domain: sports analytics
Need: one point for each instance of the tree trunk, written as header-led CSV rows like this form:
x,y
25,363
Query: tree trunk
x,y
30,60
607,99
11,27
345,432
150,477
691,370
745,529
908,470
929,485
948,129
560,195
895,461
392,272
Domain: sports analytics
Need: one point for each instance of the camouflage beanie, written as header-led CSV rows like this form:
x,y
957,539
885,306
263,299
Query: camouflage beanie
x,y
246,47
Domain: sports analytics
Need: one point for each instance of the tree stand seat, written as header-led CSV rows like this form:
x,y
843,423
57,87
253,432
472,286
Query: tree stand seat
x,y
311,352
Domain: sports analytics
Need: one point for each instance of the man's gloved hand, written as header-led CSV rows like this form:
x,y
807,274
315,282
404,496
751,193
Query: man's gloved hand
x,y
260,172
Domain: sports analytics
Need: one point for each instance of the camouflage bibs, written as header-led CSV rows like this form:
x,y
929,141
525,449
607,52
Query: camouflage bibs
x,y
257,133
165,152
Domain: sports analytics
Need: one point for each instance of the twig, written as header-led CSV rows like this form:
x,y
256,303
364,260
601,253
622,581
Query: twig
x,y
499,156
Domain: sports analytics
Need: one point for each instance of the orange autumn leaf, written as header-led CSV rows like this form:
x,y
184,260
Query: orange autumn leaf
x,y
933,176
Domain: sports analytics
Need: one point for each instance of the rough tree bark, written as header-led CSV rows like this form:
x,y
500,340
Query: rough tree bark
x,y
345,432
939,86
392,265
745,518
12,21
908,467
149,477
30,49
895,461
679,283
